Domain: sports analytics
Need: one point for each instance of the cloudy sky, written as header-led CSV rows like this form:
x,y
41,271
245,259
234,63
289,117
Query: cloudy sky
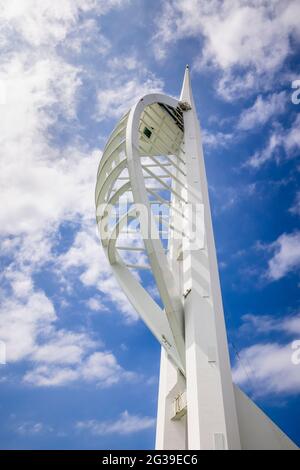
x,y
82,370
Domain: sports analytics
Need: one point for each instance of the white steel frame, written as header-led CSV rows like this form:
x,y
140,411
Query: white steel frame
x,y
198,405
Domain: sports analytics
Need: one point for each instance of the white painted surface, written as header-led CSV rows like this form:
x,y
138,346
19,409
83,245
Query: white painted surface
x,y
170,434
211,406
257,431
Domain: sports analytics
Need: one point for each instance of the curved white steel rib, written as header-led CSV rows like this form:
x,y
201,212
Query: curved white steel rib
x,y
145,143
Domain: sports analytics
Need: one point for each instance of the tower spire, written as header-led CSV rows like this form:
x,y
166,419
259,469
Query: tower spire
x,y
186,94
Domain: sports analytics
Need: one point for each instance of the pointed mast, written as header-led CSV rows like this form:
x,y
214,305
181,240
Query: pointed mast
x,y
186,94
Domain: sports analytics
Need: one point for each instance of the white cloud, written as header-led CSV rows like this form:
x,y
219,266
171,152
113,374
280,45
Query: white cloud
x,y
216,139
227,197
286,256
82,39
253,36
32,168
126,424
41,88
266,324
49,22
21,284
281,143
86,256
54,356
51,376
292,138
116,100
63,347
262,111
100,367
270,369
127,62
95,304
271,150
22,321
38,91
32,428
28,252
45,182
104,368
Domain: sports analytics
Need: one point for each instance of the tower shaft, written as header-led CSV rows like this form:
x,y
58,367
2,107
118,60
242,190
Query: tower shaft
x,y
211,413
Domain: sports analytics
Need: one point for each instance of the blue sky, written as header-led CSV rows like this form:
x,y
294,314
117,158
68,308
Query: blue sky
x,y
82,370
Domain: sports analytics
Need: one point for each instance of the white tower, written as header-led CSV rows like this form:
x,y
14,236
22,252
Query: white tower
x,y
153,215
